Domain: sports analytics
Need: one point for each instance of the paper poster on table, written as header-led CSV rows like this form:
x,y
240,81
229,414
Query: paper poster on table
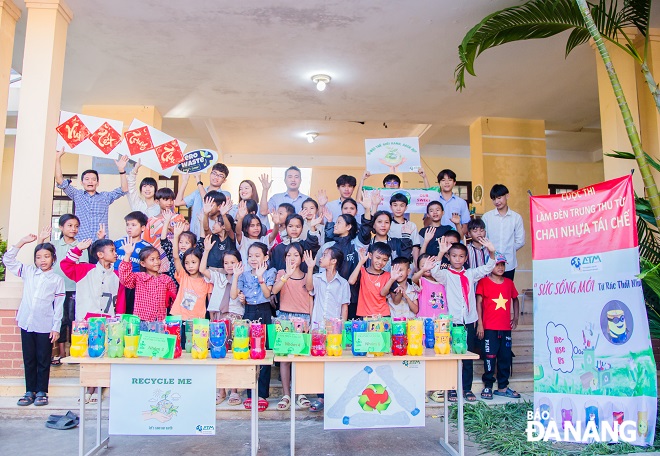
x,y
197,161
593,360
162,399
89,135
392,155
155,149
363,395
418,198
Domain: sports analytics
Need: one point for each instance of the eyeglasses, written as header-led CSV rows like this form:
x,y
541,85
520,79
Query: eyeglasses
x,y
217,174
391,184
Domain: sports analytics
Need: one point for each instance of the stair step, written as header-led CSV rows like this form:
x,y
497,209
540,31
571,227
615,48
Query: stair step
x,y
57,387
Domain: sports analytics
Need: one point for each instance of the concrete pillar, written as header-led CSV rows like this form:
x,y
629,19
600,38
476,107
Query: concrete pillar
x,y
9,14
39,108
648,113
510,152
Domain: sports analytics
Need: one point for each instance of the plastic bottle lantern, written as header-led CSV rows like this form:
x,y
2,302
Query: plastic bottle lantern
x,y
358,326
96,339
347,335
334,328
458,340
415,334
318,342
200,338
173,327
257,340
399,339
442,327
218,339
116,333
241,343
189,334
228,333
376,326
429,333
79,334
132,335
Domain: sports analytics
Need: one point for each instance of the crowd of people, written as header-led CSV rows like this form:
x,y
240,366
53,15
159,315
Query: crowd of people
x,y
262,256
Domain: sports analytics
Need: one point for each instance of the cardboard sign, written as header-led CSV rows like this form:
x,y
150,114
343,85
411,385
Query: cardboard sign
x,y
418,198
89,135
156,345
292,343
155,149
372,342
197,161
393,155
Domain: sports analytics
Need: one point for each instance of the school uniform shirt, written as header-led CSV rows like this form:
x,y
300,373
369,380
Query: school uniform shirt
x,y
433,248
135,200
294,296
152,293
61,249
395,232
402,309
251,288
217,253
42,303
96,287
496,304
245,244
328,297
278,257
455,204
222,286
349,247
432,299
507,234
370,302
462,311
190,301
335,209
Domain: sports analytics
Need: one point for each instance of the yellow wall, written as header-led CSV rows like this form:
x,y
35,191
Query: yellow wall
x,y
580,174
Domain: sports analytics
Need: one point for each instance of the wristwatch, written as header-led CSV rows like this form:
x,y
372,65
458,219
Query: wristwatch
x,y
122,172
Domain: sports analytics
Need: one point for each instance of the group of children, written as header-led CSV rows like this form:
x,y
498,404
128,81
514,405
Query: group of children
x,y
286,256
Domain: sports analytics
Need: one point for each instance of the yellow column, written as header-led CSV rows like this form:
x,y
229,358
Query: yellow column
x,y
39,106
510,152
125,113
611,122
9,14
648,112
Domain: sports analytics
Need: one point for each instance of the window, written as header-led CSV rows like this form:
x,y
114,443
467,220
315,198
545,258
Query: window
x,y
556,189
463,189
62,204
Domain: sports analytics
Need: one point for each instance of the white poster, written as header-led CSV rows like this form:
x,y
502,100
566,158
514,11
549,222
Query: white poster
x,y
89,135
162,399
418,198
392,155
362,395
155,149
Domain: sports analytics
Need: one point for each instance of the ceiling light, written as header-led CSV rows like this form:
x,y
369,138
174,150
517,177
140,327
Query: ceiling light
x,y
311,136
321,80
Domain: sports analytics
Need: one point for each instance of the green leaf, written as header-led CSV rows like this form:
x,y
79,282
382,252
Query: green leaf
x,y
630,156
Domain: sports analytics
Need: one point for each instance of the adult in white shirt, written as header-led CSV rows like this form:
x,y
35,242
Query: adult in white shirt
x,y
346,187
504,227
292,195
143,199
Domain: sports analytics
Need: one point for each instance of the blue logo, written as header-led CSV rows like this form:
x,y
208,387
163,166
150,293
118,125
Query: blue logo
x,y
587,263
198,160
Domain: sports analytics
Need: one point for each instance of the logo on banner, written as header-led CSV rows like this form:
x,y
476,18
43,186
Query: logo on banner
x,y
541,426
205,429
587,263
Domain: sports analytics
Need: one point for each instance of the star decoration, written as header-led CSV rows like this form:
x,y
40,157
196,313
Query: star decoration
x,y
501,302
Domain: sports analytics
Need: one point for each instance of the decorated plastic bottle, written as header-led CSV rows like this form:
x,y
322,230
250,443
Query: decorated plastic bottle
x,y
132,336
458,340
334,328
257,340
200,338
96,339
241,343
429,333
415,333
228,333
116,333
189,334
402,395
355,386
318,342
131,346
347,335
79,334
442,327
358,326
173,327
218,338
399,339
376,326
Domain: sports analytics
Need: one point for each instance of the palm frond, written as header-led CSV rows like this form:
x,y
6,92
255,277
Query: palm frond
x,y
644,211
630,156
636,13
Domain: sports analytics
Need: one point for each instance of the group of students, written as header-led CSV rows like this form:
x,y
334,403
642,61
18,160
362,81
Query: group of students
x,y
284,256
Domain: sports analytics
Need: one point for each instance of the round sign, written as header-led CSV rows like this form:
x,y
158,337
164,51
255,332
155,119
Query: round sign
x,y
198,161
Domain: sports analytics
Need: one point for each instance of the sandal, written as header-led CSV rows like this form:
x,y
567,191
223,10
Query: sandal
x,y
284,403
56,361
438,396
93,398
27,399
303,402
234,399
247,404
469,396
508,393
487,393
219,398
262,405
41,399
88,397
453,397
316,406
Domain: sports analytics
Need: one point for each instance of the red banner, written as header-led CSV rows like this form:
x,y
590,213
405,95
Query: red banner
x,y
585,220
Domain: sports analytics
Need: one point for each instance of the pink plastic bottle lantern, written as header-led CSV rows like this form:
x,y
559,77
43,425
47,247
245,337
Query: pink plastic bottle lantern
x,y
257,340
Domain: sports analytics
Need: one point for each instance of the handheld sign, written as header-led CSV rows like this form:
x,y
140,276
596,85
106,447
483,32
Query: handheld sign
x,y
197,161
156,345
372,342
292,343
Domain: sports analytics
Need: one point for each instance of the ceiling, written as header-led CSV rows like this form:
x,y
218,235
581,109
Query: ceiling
x,y
235,76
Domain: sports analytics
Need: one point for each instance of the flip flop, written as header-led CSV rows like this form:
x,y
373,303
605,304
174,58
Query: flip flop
x,y
508,393
453,396
63,423
247,404
316,406
56,361
438,396
69,414
262,405
469,396
487,394
234,399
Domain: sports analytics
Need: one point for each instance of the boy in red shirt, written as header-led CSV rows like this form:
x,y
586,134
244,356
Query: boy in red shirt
x,y
372,280
495,296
